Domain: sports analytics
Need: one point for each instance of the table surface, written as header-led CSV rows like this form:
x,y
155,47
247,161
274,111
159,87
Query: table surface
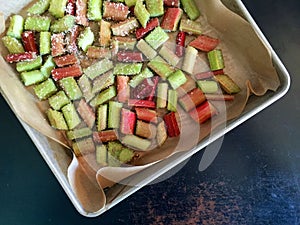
x,y
254,179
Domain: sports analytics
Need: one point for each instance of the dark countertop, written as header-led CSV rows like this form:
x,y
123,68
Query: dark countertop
x,y
254,179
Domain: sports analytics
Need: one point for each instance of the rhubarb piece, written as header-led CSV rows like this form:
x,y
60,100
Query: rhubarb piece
x,y
69,71
155,7
86,113
146,49
171,124
103,81
125,27
204,43
146,90
145,130
118,154
189,59
63,24
172,3
219,97
114,114
189,85
157,38
227,84
73,36
161,133
177,79
57,8
58,100
57,44
146,114
153,86
78,133
45,43
29,65
143,31
31,77
15,28
180,43
215,58
172,100
128,120
86,39
112,161
136,142
28,41
71,7
190,27
105,33
218,72
123,88
114,149
94,10
127,69
65,60
69,85
130,3
162,69
94,52
18,57
13,45
81,13
169,56
208,86
84,146
171,19
45,89
56,119
191,9
71,116
204,75
105,95
137,79
141,13
128,56
98,68
126,155
203,112
141,103
162,95
37,23
115,11
192,99
101,155
126,43
47,67
85,86
39,7
102,117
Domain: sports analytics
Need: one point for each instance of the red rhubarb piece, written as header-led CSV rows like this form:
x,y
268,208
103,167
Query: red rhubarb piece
x,y
146,114
218,72
141,103
57,44
115,11
28,41
81,12
219,97
172,3
143,31
105,136
71,7
128,120
192,99
171,124
154,84
127,56
143,90
70,71
18,57
203,112
205,43
171,18
65,60
72,46
180,43
123,88
86,113
204,75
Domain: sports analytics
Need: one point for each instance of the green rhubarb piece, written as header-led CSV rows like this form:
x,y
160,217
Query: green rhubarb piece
x,y
56,119
114,114
215,58
127,68
78,133
45,43
101,154
58,100
155,7
126,155
191,27
105,95
83,146
71,116
208,86
227,84
15,28
127,43
13,45
169,56
114,148
39,7
29,65
85,86
189,59
103,81
191,9
63,24
47,67
162,95
172,100
124,28
57,8
136,142
146,49
157,38
71,88
86,39
161,68
94,10
98,68
45,89
141,13
102,117
37,23
177,79
158,58
136,80
31,77
112,161
130,3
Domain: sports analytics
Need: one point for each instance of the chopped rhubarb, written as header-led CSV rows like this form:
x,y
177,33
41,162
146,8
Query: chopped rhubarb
x,y
142,32
203,112
72,46
128,56
28,41
105,136
94,52
154,80
146,89
227,84
105,33
171,19
125,27
128,120
146,114
141,103
219,97
204,75
205,43
171,124
65,60
86,113
71,6
57,44
123,88
192,99
18,57
145,130
115,11
180,43
70,71
172,3
81,12
218,72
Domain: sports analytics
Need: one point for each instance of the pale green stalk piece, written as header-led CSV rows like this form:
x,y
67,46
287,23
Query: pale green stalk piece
x,y
13,45
71,88
215,58
157,38
172,100
114,114
136,142
130,3
101,155
103,81
136,80
56,119
191,9
63,24
71,116
127,68
208,86
16,25
86,87
58,100
146,49
39,7
102,117
45,89
163,69
141,13
29,65
37,23
169,56
162,95
189,59
78,133
177,79
105,96
94,10
47,67
45,43
98,68
31,77
58,7
190,27
86,39
155,7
